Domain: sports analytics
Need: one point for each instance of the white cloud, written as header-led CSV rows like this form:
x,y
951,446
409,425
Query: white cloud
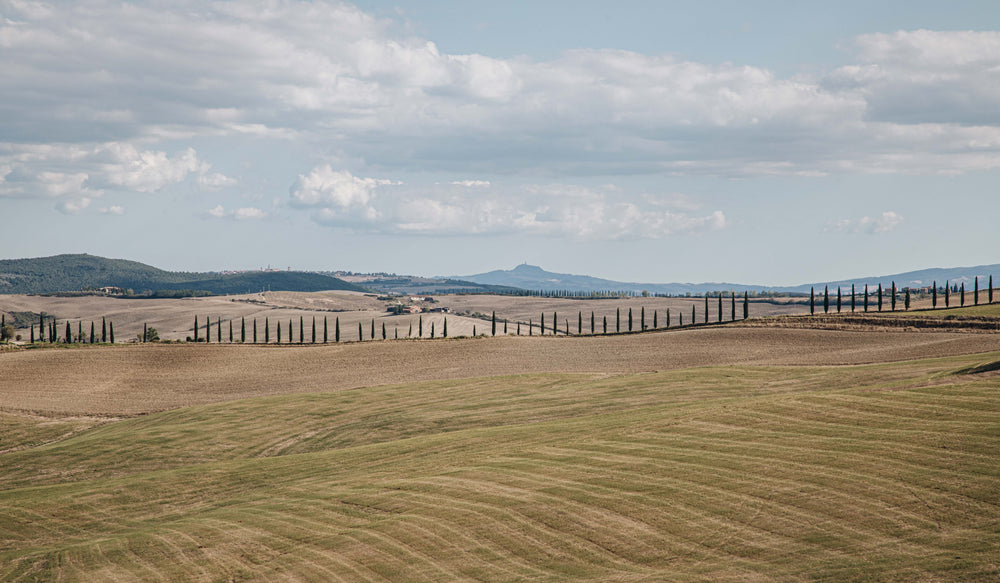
x,y
325,72
74,206
471,183
240,214
112,210
883,223
341,200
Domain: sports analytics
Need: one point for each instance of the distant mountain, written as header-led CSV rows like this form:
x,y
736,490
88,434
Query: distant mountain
x,y
64,273
535,278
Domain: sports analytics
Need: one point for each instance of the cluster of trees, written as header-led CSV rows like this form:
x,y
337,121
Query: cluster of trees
x,y
894,296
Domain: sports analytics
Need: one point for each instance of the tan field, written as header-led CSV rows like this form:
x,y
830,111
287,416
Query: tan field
x,y
782,448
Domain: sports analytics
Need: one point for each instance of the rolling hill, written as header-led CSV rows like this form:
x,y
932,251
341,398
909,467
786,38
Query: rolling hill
x,y
67,273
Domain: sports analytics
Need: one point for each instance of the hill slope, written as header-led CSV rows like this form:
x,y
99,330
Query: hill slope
x,y
75,272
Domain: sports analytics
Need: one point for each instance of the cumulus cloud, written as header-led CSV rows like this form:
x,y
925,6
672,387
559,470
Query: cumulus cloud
x,y
321,71
339,199
883,223
112,210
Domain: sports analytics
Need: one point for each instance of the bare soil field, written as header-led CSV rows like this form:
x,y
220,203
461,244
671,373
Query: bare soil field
x,y
135,379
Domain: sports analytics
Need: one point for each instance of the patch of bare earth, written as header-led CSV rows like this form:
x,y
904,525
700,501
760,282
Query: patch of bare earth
x,y
129,380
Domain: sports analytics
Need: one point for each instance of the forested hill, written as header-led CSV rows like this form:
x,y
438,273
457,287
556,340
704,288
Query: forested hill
x,y
68,273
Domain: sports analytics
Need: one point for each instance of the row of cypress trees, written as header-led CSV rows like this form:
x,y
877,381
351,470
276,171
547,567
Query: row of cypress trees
x,y
48,331
894,294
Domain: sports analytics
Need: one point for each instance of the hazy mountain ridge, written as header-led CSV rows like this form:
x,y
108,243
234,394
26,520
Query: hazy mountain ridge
x,y
74,272
535,278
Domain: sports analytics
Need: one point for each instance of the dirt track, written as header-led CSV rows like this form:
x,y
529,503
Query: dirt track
x,y
142,378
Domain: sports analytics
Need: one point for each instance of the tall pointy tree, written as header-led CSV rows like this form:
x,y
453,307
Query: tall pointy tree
x,y
420,326
826,299
975,292
555,323
947,294
326,330
290,330
336,330
267,332
383,331
693,315
409,334
812,300
655,320
630,319
934,295
592,322
79,331
706,308
279,332
505,326
880,297
892,302
962,300
493,324
720,306
218,328
530,327
907,300
255,330
93,338
313,329
208,328
605,324
33,334
542,325
41,327
746,305
104,329
579,322
853,296
991,289
666,322
243,329
518,327
444,328
302,328
230,331
838,298
69,333
111,332
866,297
732,307
642,318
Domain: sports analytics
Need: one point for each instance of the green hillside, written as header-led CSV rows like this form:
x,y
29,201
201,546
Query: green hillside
x,y
67,273
867,473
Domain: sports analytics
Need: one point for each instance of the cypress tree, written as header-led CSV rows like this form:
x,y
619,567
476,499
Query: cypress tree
x,y
991,289
279,332
746,304
866,297
542,325
907,304
720,306
243,329
326,330
655,323
975,297
493,324
505,326
267,332
605,324
947,294
336,331
812,301
41,327
838,299
290,331
383,331
93,338
111,331
706,308
69,333
208,328
79,331
313,330
409,334
255,330
693,315
732,308
361,333
518,327
667,322
579,322
373,328
592,322
218,328
144,334
853,296
826,299
630,319
893,301
642,318
230,331
680,319
52,331
420,326
880,297
104,329
963,295
934,295
444,328
396,328
555,323
529,327
302,330
33,335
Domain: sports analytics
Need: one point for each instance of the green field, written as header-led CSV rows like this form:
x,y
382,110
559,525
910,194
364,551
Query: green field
x,y
880,472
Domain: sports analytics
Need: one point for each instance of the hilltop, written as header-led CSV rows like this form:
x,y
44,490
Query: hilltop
x,y
69,273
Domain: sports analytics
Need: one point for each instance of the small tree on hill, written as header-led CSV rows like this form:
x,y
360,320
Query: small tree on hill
x,y
255,330
493,324
579,322
826,299
853,296
420,326
592,322
111,332
104,329
906,305
361,333
720,306
812,301
947,294
630,319
267,332
326,330
302,330
444,328
618,319
866,297
336,330
880,297
69,333
93,338
746,305
893,298
962,297
605,324
279,332
706,308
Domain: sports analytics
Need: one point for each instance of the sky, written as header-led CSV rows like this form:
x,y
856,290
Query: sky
x,y
772,143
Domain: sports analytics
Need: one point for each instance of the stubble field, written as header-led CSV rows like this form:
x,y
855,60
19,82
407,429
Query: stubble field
x,y
730,453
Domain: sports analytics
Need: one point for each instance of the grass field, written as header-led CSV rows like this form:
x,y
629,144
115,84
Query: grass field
x,y
744,472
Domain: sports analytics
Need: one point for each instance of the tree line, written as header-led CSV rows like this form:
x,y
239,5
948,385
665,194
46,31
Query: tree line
x,y
878,298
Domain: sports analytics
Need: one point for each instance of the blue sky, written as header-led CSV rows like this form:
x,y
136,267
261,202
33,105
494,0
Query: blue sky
x,y
773,143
